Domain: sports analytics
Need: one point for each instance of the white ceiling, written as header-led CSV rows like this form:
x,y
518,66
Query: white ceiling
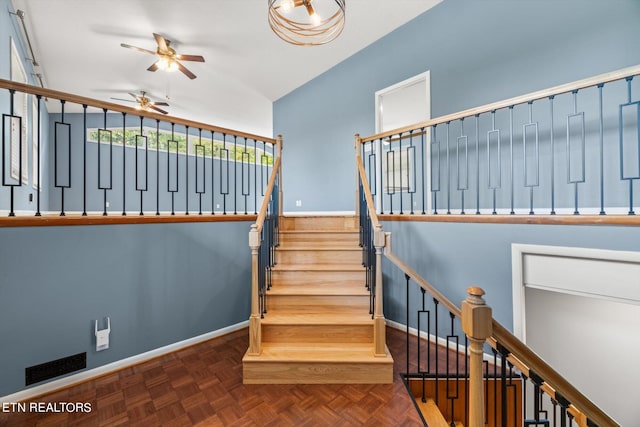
x,y
77,43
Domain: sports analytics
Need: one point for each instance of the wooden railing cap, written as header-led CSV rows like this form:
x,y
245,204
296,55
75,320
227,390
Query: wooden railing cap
x,y
475,291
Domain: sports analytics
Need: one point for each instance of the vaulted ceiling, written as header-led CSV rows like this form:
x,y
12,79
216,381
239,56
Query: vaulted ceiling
x,y
77,44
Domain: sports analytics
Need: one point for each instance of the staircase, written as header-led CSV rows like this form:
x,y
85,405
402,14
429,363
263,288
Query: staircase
x,y
317,328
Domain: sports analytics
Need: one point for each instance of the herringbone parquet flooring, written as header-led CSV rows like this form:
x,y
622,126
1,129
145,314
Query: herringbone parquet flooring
x,y
202,385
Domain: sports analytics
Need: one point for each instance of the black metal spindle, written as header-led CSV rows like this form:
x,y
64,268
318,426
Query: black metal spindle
x,y
435,189
144,140
411,169
226,192
401,188
245,170
462,184
406,278
170,189
186,161
255,177
437,371
553,154
84,158
201,186
421,371
511,164
235,174
381,177
66,128
12,144
391,186
423,183
536,181
477,116
157,167
601,123
454,341
492,184
213,173
124,164
39,153
581,175
448,171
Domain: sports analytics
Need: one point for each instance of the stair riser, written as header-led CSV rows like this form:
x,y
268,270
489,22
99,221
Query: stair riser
x,y
318,333
316,373
319,239
350,257
318,223
301,303
312,278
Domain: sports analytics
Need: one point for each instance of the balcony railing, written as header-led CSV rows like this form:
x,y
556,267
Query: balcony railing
x,y
71,155
572,149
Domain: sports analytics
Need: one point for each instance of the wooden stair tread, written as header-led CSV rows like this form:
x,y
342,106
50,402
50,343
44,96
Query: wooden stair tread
x,y
318,267
432,414
329,289
320,352
341,317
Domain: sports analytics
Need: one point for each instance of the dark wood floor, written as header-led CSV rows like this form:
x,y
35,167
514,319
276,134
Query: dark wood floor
x,y
202,385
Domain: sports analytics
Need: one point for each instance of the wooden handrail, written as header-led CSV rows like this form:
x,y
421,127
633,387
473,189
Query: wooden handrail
x,y
267,194
54,94
520,355
367,192
530,97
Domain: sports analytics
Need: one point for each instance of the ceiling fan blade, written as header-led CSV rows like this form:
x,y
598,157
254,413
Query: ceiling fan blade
x,y
164,104
185,71
121,99
133,95
128,46
153,67
159,110
162,43
195,58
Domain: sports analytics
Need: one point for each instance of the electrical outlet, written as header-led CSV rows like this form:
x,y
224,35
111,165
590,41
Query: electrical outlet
x,y
298,203
107,204
217,205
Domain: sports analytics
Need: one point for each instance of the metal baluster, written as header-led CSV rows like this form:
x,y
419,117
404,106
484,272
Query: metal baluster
x,y
400,171
448,173
570,178
139,188
225,193
57,184
452,337
495,386
459,186
84,158
512,212
381,177
477,116
186,161
406,278
435,189
4,150
255,177
601,121
248,191
423,183
235,175
630,178
393,164
490,183
177,167
213,173
124,164
437,347
553,154
200,189
411,153
537,153
157,167
422,372
373,178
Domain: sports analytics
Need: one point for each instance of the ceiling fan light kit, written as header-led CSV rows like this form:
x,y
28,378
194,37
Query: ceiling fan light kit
x,y
307,22
168,59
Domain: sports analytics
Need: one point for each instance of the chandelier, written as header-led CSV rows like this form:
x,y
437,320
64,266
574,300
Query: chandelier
x,y
307,22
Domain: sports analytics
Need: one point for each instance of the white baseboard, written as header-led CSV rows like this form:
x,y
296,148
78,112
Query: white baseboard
x,y
117,365
430,337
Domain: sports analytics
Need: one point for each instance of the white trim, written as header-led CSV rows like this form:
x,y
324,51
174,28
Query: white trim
x,y
603,291
117,365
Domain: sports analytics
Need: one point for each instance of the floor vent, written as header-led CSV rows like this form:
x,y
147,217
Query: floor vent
x,y
55,368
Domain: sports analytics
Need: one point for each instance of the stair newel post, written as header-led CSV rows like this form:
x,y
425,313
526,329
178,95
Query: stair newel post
x,y
379,240
477,325
255,334
279,154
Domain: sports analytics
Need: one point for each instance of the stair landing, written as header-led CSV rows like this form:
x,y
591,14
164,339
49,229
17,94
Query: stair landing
x,y
317,329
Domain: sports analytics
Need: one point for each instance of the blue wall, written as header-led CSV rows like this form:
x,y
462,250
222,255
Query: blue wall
x,y
159,283
478,52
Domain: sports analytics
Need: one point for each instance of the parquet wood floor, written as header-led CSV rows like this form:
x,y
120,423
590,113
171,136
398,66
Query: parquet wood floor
x,y
202,385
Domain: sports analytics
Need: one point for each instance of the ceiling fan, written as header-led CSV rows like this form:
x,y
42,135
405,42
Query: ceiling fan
x,y
144,102
168,60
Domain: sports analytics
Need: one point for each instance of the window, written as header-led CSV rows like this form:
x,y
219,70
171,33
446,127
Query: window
x,y
160,141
